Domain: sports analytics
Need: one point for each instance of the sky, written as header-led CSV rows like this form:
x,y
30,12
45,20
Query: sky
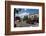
x,y
25,11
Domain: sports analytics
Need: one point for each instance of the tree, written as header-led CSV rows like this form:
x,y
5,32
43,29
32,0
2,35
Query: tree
x,y
17,10
25,18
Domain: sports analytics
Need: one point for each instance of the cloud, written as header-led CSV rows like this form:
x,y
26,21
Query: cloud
x,y
22,14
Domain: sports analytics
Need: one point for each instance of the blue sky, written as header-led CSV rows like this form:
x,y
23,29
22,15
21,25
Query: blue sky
x,y
29,10
25,11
